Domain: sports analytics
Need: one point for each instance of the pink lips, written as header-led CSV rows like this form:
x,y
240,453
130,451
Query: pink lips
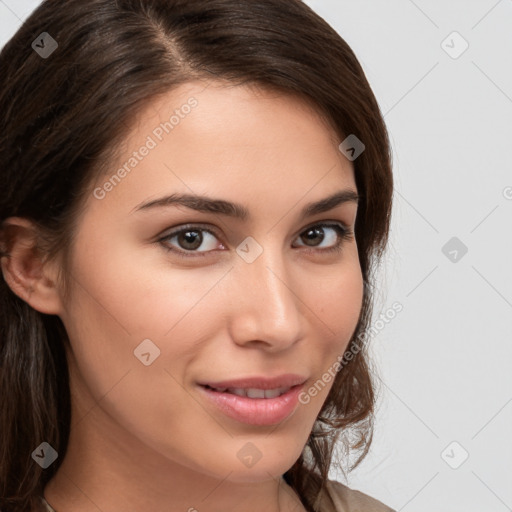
x,y
255,411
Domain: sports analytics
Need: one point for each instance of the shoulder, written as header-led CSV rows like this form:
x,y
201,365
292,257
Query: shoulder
x,y
337,497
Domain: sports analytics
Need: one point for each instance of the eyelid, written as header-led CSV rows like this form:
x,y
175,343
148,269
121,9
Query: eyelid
x,y
324,222
190,225
208,228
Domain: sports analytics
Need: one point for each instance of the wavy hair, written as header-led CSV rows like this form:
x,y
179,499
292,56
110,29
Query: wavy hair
x,y
63,118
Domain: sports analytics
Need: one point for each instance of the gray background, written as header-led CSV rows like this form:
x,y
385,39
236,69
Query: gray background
x,y
444,362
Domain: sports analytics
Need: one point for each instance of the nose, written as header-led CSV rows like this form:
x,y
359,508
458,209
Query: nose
x,y
267,309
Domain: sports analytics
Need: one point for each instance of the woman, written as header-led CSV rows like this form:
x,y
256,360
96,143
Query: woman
x,y
196,194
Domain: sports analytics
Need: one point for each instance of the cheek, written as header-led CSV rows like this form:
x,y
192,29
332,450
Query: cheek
x,y
337,303
117,302
134,294
122,297
336,299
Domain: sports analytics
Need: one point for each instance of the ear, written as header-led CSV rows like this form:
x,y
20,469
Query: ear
x,y
24,269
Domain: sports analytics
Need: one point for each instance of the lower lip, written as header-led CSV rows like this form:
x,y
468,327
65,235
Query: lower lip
x,y
255,411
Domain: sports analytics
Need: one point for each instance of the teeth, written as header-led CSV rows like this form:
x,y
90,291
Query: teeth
x,y
237,391
273,393
254,392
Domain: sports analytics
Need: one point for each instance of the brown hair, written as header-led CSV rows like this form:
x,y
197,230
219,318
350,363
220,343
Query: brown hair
x,y
63,118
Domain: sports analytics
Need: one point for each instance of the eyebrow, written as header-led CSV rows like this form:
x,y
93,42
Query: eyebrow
x,y
238,211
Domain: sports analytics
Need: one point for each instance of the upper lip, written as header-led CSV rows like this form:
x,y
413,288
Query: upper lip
x,y
281,381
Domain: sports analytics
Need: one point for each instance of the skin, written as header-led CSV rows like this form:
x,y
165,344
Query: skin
x,y
142,437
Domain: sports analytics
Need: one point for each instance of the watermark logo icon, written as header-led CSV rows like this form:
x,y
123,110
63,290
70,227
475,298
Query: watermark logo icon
x,y
249,454
44,45
454,455
146,352
454,249
44,455
249,249
454,45
352,147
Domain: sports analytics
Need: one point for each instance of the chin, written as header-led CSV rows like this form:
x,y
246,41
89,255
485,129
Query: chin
x,y
262,469
273,465
258,473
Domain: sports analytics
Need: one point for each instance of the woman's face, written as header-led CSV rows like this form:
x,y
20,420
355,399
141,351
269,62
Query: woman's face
x,y
154,314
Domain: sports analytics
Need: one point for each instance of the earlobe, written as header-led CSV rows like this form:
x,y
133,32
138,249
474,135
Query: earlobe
x,y
24,269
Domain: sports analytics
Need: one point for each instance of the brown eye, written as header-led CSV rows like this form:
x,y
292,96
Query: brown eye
x,y
190,240
187,240
332,234
313,235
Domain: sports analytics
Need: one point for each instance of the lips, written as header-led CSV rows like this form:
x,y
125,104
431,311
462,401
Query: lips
x,y
255,400
262,383
252,392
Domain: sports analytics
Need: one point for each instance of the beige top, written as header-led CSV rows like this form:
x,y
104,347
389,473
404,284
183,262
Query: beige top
x,y
337,498
340,498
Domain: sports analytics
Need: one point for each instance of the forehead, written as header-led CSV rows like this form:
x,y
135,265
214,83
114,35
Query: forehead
x,y
231,115
211,137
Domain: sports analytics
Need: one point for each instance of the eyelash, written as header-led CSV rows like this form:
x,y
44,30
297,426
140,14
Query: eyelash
x,y
344,233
